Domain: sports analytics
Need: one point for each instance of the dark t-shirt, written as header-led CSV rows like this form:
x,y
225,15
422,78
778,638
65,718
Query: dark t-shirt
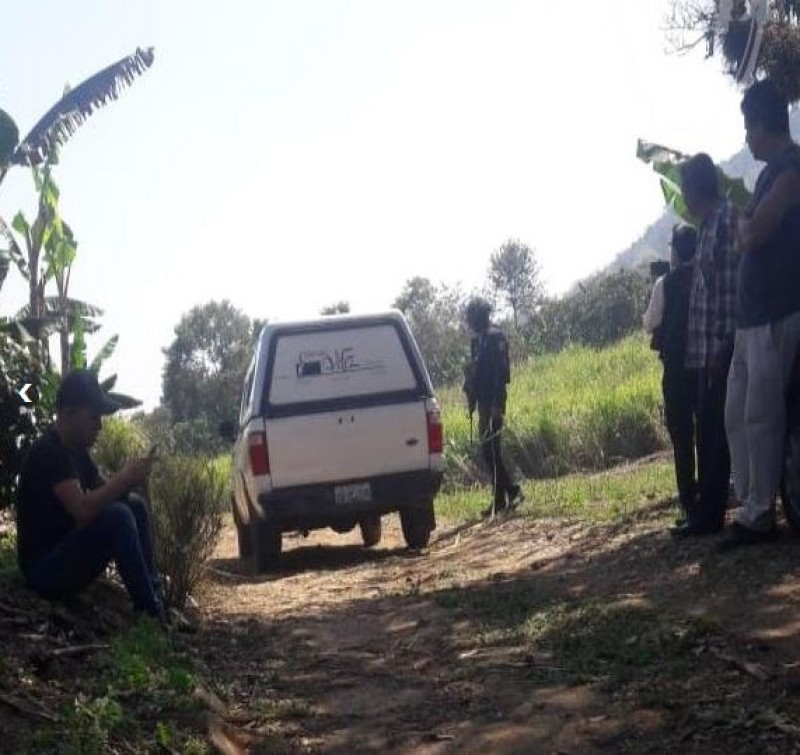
x,y
42,520
768,276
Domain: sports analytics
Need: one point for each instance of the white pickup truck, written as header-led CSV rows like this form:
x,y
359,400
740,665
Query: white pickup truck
x,y
338,426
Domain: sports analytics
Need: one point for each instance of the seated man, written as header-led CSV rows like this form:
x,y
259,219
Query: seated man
x,y
71,523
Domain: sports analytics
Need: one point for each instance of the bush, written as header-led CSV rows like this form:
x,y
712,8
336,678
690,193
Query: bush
x,y
188,498
118,441
598,312
19,423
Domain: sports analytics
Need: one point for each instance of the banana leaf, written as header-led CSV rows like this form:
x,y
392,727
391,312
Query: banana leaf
x,y
124,401
105,353
29,329
20,260
59,123
9,137
666,162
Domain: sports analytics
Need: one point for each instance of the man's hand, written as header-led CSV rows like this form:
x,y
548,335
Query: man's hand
x,y
136,471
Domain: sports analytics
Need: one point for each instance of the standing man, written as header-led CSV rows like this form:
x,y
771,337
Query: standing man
x,y
71,523
669,325
709,345
487,375
768,317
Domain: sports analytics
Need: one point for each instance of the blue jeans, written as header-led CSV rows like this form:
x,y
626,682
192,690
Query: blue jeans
x,y
121,533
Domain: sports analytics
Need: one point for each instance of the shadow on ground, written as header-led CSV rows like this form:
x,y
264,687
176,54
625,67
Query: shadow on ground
x,y
521,636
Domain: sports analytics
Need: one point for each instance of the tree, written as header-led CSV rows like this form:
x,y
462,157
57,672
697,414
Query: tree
x,y
206,364
725,27
599,311
435,315
61,121
514,274
338,308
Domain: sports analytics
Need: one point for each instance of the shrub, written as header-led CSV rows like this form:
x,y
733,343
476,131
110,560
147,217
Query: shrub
x,y
118,441
188,498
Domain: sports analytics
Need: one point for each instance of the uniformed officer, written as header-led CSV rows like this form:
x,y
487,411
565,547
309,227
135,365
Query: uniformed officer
x,y
486,378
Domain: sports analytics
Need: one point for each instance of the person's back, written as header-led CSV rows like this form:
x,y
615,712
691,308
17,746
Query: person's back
x,y
42,521
674,325
487,378
489,351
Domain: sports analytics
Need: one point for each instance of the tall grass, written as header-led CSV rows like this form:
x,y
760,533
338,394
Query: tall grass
x,y
576,411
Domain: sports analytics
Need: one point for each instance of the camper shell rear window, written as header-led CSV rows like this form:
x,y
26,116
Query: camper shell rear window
x,y
342,365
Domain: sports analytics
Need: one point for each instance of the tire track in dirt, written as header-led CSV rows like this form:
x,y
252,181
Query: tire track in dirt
x,y
348,650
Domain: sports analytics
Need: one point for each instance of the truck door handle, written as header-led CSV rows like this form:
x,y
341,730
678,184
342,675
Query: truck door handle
x,y
412,442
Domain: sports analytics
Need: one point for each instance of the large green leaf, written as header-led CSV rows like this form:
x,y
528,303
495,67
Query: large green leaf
x,y
108,383
30,328
666,162
105,353
59,123
77,353
124,401
20,260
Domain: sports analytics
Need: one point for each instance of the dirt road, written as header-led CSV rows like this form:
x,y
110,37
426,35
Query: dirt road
x,y
514,636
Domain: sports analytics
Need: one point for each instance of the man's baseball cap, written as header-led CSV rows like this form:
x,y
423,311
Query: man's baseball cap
x,y
81,388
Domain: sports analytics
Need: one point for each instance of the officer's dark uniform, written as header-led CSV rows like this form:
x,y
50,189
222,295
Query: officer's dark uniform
x,y
488,375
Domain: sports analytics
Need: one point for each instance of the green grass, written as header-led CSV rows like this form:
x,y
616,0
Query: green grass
x,y
579,410
604,496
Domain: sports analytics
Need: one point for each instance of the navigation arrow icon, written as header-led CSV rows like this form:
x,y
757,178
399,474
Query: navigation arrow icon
x,y
23,393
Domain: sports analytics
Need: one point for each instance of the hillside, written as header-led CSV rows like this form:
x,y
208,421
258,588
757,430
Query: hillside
x,y
654,241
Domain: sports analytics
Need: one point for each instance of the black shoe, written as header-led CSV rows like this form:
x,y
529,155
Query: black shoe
x,y
738,536
681,531
515,497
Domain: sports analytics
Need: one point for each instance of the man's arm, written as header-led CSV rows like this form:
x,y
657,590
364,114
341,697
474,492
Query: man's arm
x,y
763,224
84,507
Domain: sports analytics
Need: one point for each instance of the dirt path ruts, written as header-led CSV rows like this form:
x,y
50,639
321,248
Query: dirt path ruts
x,y
348,650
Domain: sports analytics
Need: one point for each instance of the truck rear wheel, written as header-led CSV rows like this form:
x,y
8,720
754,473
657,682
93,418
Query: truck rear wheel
x,y
266,540
417,524
370,531
243,537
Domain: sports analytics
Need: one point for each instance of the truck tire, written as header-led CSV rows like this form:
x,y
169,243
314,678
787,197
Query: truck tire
x,y
370,531
418,523
267,541
243,538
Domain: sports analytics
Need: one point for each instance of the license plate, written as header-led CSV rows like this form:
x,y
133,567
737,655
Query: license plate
x,y
360,492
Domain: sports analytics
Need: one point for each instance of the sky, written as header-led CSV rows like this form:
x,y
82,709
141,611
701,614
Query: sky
x,y
288,155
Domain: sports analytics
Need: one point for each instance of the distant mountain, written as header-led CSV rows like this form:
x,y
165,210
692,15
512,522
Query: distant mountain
x,y
654,242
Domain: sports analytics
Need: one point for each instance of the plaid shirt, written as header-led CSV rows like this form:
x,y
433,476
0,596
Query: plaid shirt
x,y
712,306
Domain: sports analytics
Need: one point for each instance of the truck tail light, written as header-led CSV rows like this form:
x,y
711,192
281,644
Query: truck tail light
x,y
435,429
258,452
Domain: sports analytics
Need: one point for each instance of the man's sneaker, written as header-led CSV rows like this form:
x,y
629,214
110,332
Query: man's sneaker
x,y
515,497
738,536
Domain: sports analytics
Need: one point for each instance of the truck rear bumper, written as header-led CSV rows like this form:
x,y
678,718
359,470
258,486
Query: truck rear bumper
x,y
314,506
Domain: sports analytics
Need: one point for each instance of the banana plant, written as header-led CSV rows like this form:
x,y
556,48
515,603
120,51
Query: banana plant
x,y
666,163
62,120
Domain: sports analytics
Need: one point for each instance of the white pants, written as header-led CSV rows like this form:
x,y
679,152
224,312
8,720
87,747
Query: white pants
x,y
755,415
